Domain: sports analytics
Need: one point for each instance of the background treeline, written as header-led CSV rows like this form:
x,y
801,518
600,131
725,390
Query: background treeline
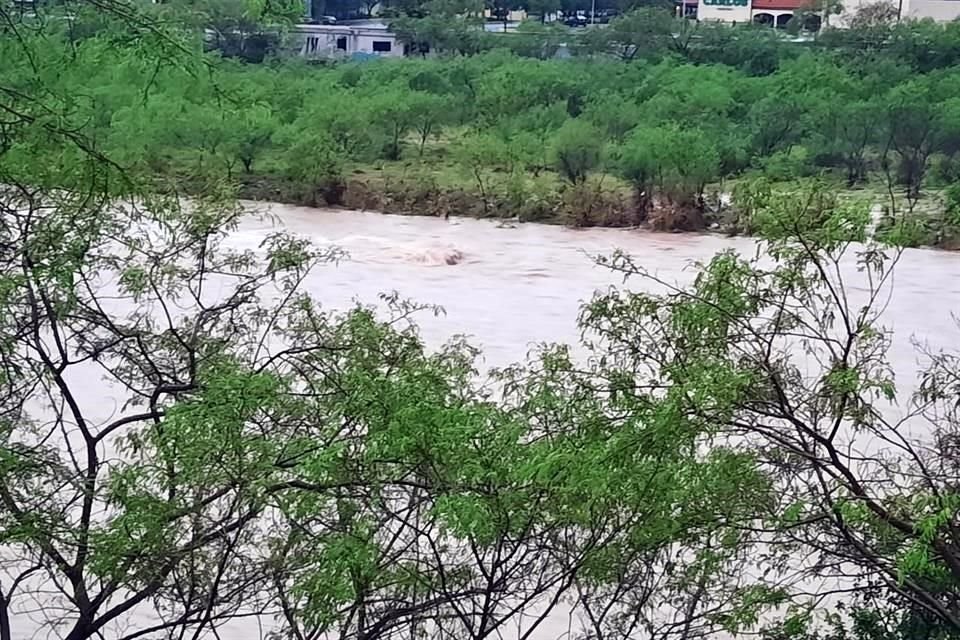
x,y
657,131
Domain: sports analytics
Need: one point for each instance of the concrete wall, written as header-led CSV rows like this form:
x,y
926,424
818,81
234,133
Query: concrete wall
x,y
365,44
320,41
512,15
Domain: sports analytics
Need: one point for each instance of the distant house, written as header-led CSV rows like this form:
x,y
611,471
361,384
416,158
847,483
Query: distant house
x,y
356,39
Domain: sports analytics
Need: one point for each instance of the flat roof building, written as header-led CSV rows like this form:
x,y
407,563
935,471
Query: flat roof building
x,y
362,38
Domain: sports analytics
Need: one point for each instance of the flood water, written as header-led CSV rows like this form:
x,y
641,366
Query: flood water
x,y
523,284
512,288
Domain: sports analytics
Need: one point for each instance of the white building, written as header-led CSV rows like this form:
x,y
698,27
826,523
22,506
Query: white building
x,y
346,40
777,13
773,13
939,10
734,11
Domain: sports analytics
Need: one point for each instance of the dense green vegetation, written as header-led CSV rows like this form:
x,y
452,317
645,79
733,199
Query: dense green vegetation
x,y
188,438
592,140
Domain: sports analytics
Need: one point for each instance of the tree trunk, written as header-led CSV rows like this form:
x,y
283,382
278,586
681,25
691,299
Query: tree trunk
x,y
483,192
395,145
4,617
642,204
82,630
852,174
424,134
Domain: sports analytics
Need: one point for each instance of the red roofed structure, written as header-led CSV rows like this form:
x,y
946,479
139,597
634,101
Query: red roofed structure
x,y
773,13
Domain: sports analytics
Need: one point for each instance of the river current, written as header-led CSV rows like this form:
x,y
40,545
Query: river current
x,y
509,287
517,285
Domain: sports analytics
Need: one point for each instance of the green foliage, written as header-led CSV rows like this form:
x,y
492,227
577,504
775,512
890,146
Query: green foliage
x,y
693,107
644,32
316,161
908,231
638,158
675,163
443,25
788,164
873,619
952,195
811,209
544,7
576,150
615,113
255,126
726,345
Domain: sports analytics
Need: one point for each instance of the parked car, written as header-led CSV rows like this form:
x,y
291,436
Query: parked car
x,y
576,21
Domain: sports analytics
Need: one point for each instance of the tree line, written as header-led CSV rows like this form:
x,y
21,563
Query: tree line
x,y
658,124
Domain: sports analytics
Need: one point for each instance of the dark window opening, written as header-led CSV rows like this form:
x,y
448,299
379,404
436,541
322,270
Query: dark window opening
x,y
381,46
342,44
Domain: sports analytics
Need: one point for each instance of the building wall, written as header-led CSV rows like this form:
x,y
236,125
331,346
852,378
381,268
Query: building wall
x,y
778,17
724,10
939,10
365,43
512,15
321,41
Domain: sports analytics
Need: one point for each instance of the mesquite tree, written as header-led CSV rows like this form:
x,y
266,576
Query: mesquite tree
x,y
787,354
190,438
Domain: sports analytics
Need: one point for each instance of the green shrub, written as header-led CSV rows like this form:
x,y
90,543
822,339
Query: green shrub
x,y
908,231
789,164
576,150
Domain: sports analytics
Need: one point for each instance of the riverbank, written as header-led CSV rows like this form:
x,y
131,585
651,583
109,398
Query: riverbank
x,y
597,202
602,201
427,189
